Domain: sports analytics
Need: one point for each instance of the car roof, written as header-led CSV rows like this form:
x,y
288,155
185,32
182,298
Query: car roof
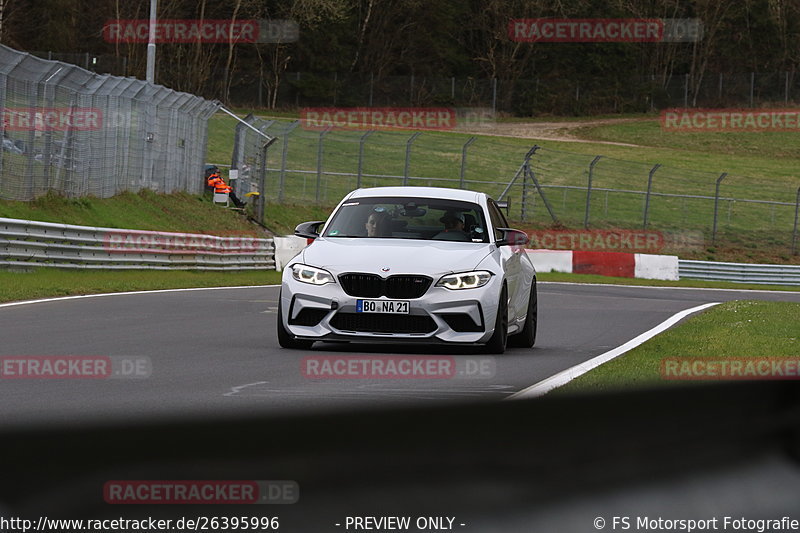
x,y
419,192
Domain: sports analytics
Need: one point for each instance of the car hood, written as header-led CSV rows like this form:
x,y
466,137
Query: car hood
x,y
399,256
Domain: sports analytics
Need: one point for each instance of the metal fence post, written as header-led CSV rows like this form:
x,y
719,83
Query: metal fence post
x,y
284,155
408,156
589,191
523,205
796,216
716,207
242,133
361,157
262,183
320,150
647,196
49,97
529,174
238,144
518,173
464,159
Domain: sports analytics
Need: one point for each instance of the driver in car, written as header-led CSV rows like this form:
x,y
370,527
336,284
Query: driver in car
x,y
377,224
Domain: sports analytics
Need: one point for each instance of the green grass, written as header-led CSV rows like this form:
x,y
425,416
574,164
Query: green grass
x,y
739,329
50,282
765,144
746,232
769,155
146,210
283,218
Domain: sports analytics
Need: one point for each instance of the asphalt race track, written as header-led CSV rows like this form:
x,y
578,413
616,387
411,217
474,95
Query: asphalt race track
x,y
215,351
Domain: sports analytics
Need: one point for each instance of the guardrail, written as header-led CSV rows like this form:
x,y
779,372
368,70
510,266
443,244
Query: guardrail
x,y
742,272
26,243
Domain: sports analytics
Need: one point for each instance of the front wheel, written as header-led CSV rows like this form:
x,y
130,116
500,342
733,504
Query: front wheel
x,y
497,344
286,339
527,337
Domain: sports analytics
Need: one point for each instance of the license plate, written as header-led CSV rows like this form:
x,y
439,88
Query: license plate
x,y
396,307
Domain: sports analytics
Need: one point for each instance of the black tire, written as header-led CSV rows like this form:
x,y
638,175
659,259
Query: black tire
x,y
497,344
286,339
527,337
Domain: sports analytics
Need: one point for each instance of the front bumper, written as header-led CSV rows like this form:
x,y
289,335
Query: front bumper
x,y
326,312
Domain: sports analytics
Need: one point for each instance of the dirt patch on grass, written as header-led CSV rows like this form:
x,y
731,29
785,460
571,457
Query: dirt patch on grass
x,y
565,131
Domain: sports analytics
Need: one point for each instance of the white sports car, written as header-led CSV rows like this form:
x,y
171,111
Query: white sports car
x,y
411,264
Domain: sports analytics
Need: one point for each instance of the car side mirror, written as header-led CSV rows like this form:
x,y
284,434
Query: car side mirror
x,y
512,237
309,230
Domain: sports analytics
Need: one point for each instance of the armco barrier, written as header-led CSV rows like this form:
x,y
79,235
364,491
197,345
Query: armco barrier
x,y
664,267
740,272
26,243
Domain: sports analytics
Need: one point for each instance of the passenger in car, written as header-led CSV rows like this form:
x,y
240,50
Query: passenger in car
x,y
453,227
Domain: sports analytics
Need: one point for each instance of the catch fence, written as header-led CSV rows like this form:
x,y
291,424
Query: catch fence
x,y
77,133
583,190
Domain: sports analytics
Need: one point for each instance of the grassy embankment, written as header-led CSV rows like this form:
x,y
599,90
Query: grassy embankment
x,y
744,330
760,166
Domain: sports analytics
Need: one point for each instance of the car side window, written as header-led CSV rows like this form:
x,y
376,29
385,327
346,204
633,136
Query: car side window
x,y
497,218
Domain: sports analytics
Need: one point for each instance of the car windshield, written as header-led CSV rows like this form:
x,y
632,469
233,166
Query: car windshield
x,y
409,218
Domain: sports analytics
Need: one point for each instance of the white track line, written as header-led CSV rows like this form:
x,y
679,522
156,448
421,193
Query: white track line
x,y
81,296
76,297
565,376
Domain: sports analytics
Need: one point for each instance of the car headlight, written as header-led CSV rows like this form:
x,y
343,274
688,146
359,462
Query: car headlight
x,y
465,280
309,274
